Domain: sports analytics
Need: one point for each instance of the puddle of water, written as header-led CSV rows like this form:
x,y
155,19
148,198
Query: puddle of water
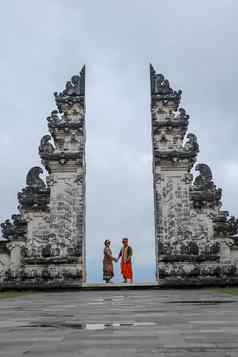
x,y
90,326
202,302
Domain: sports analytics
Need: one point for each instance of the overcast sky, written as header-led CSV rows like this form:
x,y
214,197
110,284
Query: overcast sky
x,y
43,43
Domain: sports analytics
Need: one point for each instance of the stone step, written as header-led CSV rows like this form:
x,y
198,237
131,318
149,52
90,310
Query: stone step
x,y
119,286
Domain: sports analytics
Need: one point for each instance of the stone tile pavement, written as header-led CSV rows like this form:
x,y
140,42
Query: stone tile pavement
x,y
123,323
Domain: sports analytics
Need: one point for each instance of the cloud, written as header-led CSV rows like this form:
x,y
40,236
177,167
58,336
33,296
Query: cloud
x,y
43,43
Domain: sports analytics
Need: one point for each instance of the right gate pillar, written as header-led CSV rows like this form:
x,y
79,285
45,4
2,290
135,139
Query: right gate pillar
x,y
190,228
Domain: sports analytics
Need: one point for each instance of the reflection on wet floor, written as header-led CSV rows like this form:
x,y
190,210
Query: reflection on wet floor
x,y
120,299
67,320
122,323
89,326
202,302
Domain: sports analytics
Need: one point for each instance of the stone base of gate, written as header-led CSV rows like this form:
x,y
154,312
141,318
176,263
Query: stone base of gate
x,y
196,272
72,285
41,284
168,283
201,282
45,273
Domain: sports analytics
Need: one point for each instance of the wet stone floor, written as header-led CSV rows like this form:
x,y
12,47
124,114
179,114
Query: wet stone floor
x,y
120,323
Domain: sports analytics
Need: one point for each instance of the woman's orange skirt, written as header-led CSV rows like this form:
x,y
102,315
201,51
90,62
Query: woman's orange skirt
x,y
126,269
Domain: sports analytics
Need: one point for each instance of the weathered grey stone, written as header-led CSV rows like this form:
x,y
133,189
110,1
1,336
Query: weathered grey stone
x,y
120,323
46,242
194,237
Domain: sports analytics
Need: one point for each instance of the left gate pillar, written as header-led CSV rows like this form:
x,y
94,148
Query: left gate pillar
x,y
45,244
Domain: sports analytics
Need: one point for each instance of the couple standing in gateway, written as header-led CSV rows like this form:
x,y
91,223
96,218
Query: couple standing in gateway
x,y
125,255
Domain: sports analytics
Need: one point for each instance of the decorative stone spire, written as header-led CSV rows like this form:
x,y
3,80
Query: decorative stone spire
x,y
161,88
74,92
169,125
66,126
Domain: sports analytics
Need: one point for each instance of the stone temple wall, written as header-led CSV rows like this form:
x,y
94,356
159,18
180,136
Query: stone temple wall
x,y
45,243
195,240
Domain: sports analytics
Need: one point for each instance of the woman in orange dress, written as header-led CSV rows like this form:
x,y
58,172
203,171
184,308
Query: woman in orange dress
x,y
126,264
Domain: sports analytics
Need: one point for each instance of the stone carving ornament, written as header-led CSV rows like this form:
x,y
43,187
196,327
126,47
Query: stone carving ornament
x,y
33,178
15,229
224,226
192,145
35,195
45,146
204,180
54,119
204,192
72,87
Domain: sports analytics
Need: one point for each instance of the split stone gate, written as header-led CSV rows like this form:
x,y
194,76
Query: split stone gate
x,y
44,245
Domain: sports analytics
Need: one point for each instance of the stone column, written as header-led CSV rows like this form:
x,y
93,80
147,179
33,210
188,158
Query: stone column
x,y
65,162
172,161
193,237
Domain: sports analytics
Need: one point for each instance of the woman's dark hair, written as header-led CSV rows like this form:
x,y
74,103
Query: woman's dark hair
x,y
107,241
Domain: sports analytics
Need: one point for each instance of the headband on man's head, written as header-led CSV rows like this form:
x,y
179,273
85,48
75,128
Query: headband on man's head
x,y
123,239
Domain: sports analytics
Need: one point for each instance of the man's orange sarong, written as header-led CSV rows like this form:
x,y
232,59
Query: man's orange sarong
x,y
126,269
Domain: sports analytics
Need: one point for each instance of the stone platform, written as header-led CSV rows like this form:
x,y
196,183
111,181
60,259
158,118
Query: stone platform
x,y
107,323
119,286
